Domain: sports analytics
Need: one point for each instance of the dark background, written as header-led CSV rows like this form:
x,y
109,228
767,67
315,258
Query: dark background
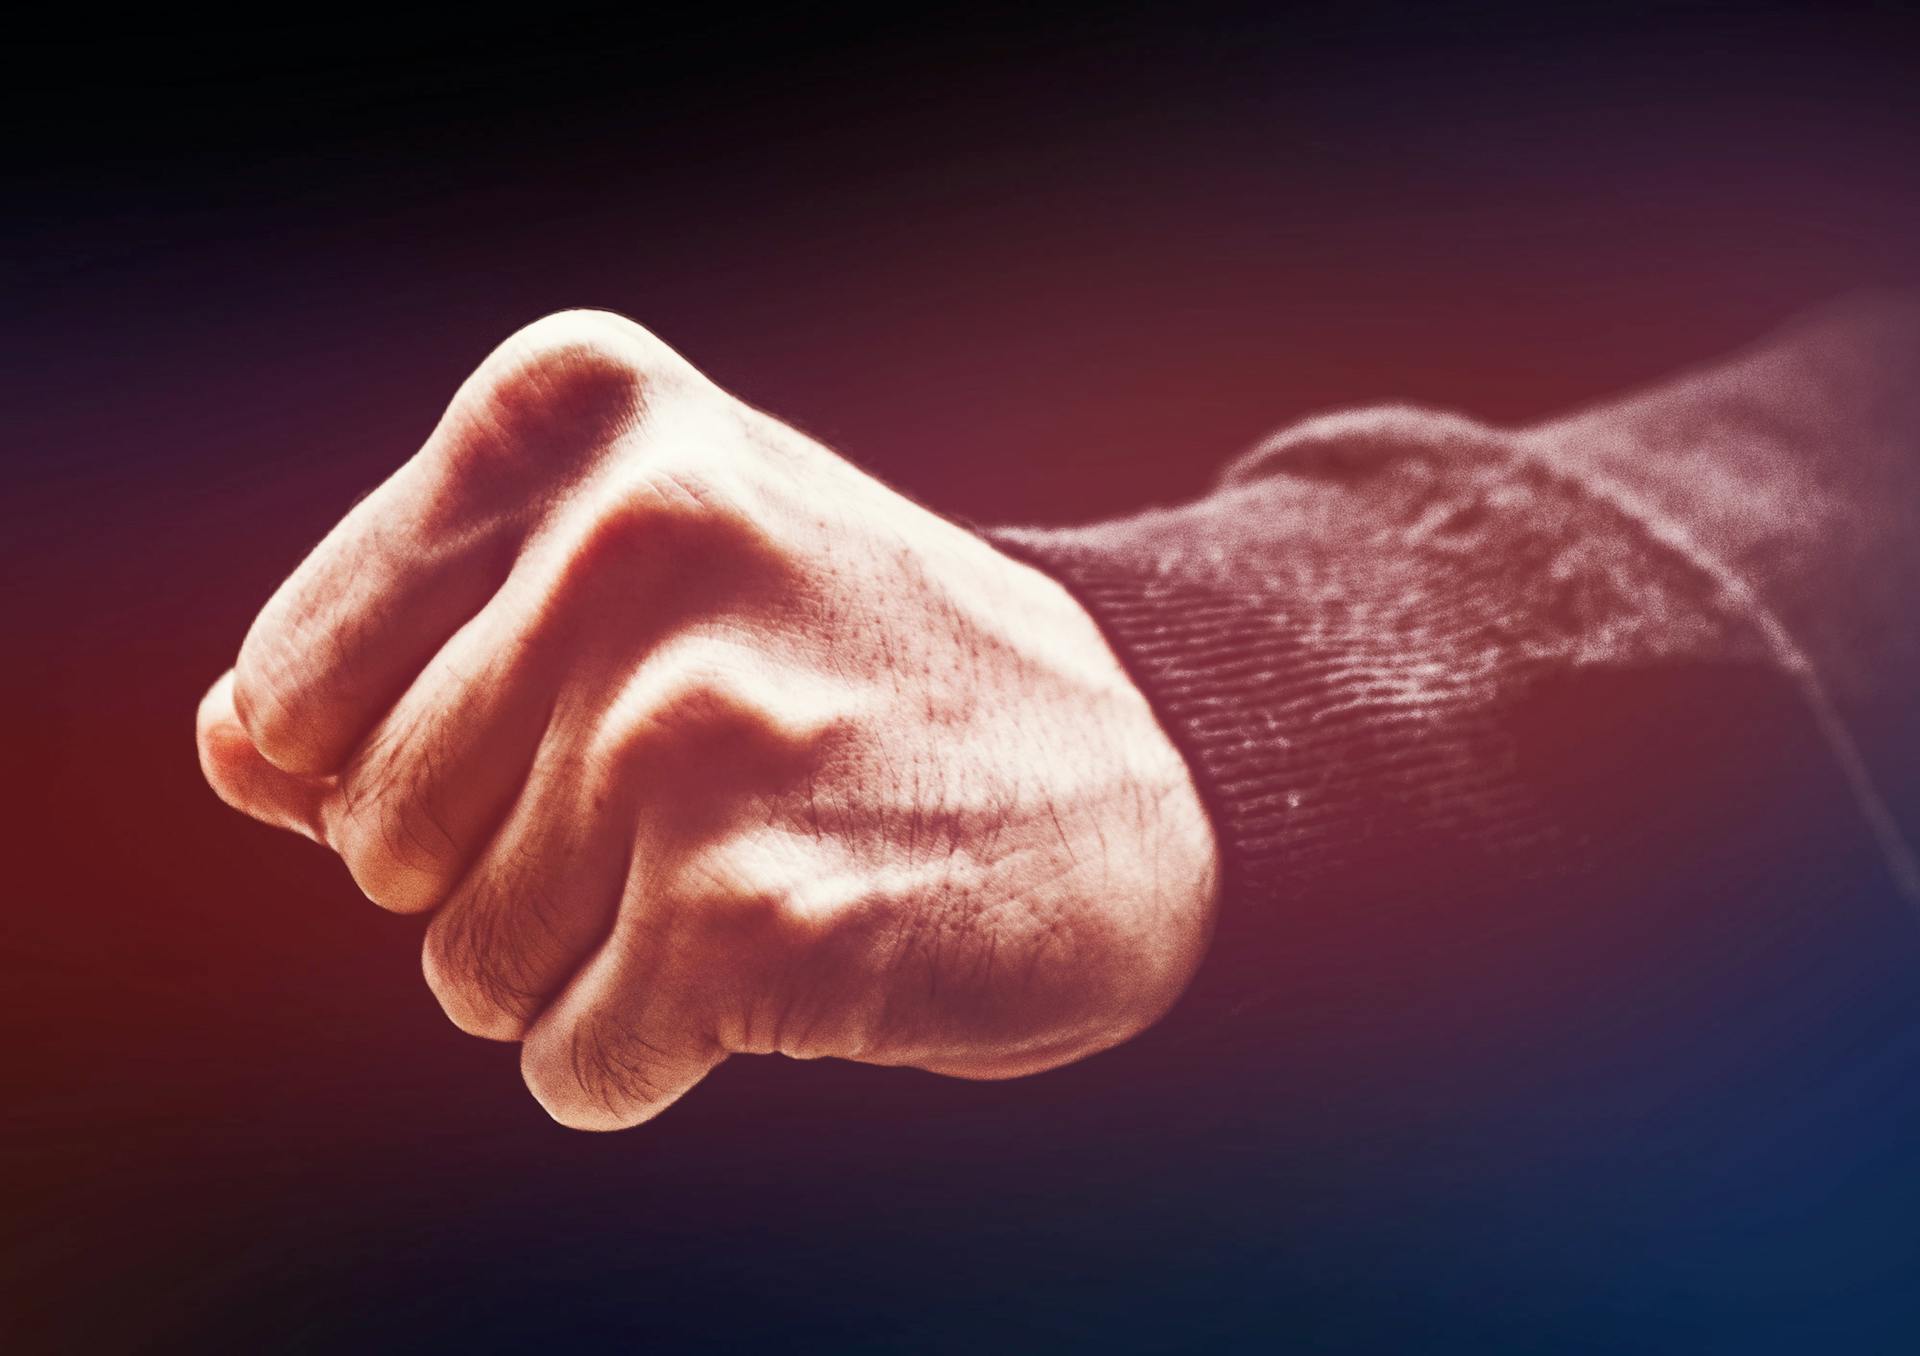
x,y
1027,268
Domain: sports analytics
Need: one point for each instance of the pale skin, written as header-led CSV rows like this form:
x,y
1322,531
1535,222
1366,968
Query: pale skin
x,y
695,740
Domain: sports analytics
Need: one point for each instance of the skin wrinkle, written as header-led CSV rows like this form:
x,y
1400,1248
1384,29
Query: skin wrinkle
x,y
493,968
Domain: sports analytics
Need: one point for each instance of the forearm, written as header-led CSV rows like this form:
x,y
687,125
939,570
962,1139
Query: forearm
x,y
1794,464
1794,469
1409,655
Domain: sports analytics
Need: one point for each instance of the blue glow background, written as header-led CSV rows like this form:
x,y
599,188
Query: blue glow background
x,y
1028,269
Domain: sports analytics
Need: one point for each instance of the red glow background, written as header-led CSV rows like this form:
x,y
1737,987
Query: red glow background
x,y
1026,269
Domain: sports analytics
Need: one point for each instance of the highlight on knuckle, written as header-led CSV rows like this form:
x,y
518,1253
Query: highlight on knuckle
x,y
585,370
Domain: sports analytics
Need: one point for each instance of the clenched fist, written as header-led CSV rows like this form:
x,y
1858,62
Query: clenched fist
x,y
697,741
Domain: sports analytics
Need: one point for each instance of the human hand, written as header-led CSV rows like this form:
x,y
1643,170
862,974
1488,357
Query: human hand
x,y
697,740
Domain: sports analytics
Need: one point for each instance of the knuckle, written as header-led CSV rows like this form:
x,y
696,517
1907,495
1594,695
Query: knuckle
x,y
591,1075
682,537
739,903
477,974
297,666
625,530
706,700
583,366
725,719
798,948
700,499
384,827
586,328
256,700
264,700
703,704
556,393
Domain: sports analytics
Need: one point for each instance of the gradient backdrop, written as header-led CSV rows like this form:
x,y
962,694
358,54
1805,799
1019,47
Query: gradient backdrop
x,y
1027,268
